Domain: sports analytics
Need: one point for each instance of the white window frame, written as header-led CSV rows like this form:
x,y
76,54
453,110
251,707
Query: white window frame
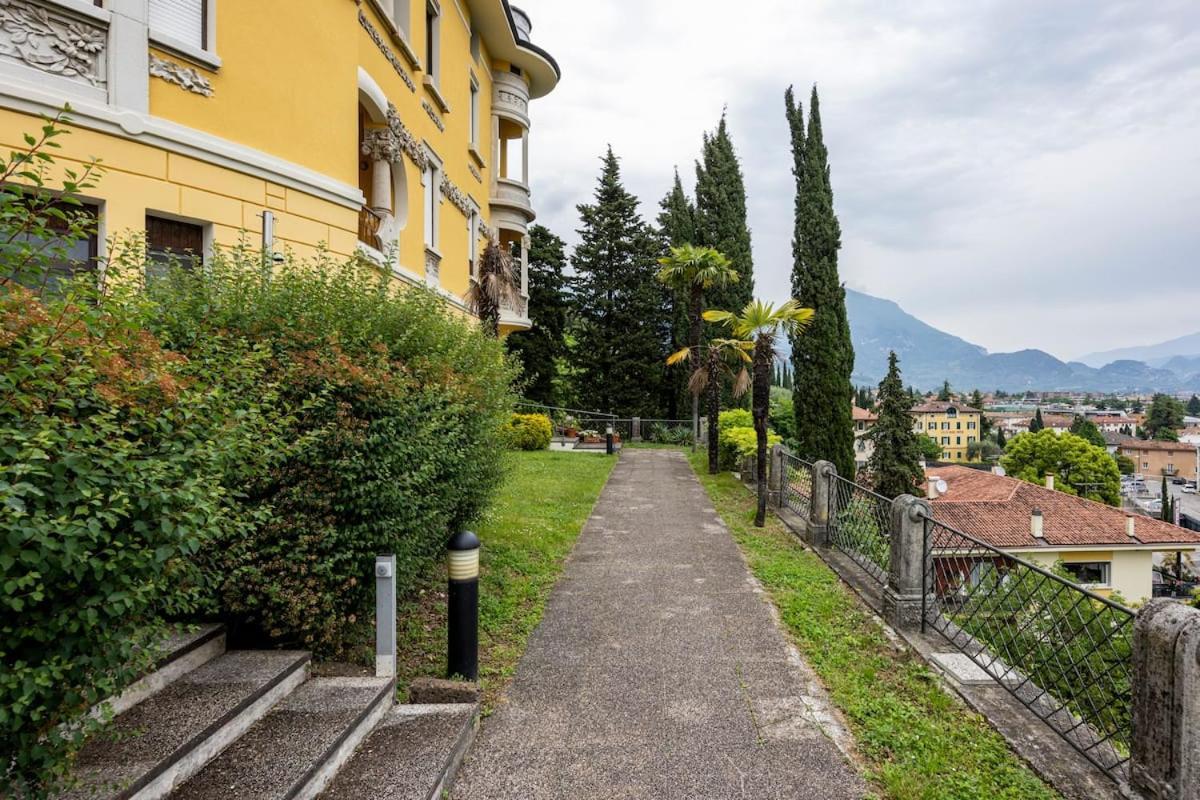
x,y
433,40
1105,573
431,201
474,112
205,56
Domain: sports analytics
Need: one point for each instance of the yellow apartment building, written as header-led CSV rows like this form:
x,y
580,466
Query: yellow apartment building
x,y
395,128
952,425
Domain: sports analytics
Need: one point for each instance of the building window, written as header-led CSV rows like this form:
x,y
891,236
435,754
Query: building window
x,y
432,202
474,110
945,440
970,426
946,455
1090,573
970,440
45,262
170,243
473,242
945,426
433,26
958,440
958,426
933,426
185,21
402,17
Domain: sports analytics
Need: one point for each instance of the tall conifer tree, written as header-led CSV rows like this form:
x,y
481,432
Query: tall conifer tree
x,y
624,324
721,216
823,358
677,226
895,464
539,348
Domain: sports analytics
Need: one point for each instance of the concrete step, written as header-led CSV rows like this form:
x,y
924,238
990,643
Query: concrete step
x,y
185,649
412,754
293,752
159,743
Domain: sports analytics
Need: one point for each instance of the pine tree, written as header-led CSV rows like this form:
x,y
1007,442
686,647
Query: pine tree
x,y
676,227
539,348
1036,424
1001,439
1193,406
895,464
823,358
1167,514
945,395
721,216
623,319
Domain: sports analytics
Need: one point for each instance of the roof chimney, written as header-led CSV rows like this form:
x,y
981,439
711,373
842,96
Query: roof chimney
x,y
1050,480
998,470
1130,527
931,487
1035,524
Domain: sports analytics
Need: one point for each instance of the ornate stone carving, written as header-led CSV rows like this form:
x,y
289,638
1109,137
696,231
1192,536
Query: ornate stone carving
x,y
179,75
392,58
486,231
457,197
504,97
433,265
52,42
388,143
433,115
475,173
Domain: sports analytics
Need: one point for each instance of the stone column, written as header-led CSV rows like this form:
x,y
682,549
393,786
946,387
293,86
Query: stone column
x,y
905,590
776,477
635,432
818,514
381,188
1165,763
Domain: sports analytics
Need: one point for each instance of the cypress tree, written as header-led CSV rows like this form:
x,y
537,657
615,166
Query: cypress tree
x,y
677,226
823,358
623,319
945,395
895,464
539,348
721,216
1001,440
1036,424
1193,406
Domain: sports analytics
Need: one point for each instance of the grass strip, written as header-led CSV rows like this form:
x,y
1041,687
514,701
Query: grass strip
x,y
916,741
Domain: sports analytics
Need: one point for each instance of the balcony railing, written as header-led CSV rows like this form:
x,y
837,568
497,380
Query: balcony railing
x,y
368,227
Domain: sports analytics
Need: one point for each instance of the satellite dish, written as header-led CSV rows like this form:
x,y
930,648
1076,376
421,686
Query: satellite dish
x,y
941,486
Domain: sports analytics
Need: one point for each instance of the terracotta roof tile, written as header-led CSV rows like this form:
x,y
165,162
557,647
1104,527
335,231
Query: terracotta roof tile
x,y
863,414
938,406
1137,444
996,509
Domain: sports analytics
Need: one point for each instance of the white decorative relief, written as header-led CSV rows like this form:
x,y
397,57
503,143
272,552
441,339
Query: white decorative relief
x,y
52,42
433,265
457,197
433,115
507,98
475,173
179,75
391,57
386,144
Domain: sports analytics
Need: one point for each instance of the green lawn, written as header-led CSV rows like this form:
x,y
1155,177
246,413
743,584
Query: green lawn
x,y
916,740
526,535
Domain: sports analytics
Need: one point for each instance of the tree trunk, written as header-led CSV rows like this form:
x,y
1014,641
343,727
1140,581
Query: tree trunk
x,y
714,408
695,328
761,405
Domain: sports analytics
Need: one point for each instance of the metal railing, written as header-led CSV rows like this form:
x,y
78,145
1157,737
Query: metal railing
x,y
1063,651
860,524
798,484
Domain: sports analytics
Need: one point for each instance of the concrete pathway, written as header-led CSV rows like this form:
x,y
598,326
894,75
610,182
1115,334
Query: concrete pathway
x,y
658,670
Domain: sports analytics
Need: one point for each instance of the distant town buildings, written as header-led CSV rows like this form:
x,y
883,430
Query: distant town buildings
x,y
864,446
1161,458
952,425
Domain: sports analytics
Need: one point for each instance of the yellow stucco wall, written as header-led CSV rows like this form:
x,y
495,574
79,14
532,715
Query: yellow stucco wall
x,y
288,87
954,451
1130,571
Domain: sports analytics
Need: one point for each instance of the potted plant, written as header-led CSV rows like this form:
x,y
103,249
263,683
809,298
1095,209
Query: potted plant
x,y
570,427
590,437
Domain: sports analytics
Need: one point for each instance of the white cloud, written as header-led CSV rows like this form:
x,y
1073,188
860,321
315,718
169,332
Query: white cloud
x,y
1022,173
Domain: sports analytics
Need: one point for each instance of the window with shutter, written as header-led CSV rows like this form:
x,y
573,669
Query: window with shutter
x,y
171,243
185,21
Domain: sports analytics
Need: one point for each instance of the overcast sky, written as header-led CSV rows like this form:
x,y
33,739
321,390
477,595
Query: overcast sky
x,y
1021,173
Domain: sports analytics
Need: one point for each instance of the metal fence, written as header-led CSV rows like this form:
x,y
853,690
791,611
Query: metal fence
x,y
797,486
860,524
1063,651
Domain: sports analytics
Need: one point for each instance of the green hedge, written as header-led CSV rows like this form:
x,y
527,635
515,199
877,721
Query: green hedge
x,y
528,432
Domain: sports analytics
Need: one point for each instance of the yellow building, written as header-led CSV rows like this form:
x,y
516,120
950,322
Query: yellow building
x,y
397,128
952,425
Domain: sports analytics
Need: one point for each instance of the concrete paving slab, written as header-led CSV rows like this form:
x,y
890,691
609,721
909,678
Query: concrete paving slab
x,y
658,669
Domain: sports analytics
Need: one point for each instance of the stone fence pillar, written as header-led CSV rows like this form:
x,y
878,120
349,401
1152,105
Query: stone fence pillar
x,y
818,512
1165,763
905,590
635,432
776,477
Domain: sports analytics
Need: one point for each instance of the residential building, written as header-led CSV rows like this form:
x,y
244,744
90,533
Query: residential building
x,y
1154,459
1114,441
394,128
1103,547
952,425
1115,423
864,446
1190,435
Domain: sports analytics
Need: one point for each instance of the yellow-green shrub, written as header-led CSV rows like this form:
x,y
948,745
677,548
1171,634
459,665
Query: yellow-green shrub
x,y
528,432
734,418
739,443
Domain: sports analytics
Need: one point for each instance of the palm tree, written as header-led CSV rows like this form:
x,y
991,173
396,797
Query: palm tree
x,y
495,286
758,326
690,271
715,359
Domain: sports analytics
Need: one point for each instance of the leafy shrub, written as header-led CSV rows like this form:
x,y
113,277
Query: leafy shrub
x,y
739,443
396,411
734,418
782,413
662,433
528,432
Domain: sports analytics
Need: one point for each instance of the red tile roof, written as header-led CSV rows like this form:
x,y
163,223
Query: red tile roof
x,y
1134,445
939,406
996,510
862,414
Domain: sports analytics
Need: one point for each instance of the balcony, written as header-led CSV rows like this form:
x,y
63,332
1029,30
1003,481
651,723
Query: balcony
x,y
511,205
369,223
510,98
515,316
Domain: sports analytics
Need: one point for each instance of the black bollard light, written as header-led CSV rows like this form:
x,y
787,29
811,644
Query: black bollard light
x,y
462,599
608,440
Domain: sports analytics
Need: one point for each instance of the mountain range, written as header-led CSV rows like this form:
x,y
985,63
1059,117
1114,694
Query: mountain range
x,y
928,356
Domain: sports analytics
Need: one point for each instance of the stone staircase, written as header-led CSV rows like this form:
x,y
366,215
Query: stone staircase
x,y
207,723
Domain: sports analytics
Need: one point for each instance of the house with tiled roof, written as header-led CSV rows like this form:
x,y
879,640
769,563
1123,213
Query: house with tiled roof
x,y
952,425
864,446
1156,459
1105,548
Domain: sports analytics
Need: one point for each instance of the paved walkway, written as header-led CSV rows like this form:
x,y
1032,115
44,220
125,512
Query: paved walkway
x,y
658,670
